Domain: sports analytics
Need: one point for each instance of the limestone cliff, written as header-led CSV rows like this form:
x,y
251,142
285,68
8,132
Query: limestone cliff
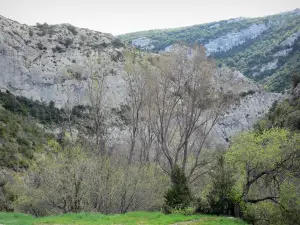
x,y
50,63
42,62
266,49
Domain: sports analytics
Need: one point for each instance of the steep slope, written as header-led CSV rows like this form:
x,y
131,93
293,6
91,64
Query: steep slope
x,y
253,104
266,49
51,63
45,62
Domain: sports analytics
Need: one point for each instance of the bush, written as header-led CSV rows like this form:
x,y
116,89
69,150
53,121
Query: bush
x,y
58,49
117,43
87,183
187,211
250,92
219,199
179,195
293,120
41,46
68,42
72,29
295,79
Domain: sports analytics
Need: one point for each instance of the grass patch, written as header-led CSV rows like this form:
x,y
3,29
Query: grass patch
x,y
132,218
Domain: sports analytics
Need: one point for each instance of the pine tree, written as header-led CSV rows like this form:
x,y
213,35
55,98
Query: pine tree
x,y
179,195
219,197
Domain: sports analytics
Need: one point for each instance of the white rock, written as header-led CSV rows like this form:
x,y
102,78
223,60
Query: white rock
x,y
269,66
230,40
41,68
291,39
283,52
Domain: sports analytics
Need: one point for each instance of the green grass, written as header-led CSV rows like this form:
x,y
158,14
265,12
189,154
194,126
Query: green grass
x,y
125,219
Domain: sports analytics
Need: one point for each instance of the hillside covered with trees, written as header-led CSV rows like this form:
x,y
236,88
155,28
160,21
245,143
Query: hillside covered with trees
x,y
165,163
265,49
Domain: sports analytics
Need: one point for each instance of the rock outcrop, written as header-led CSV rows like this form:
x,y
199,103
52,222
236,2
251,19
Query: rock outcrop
x,y
51,63
44,61
233,39
265,49
253,104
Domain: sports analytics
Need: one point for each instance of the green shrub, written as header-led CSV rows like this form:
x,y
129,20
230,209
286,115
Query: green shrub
x,y
187,211
293,120
295,79
219,199
179,195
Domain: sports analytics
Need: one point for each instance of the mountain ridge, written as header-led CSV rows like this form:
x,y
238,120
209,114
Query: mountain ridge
x,y
51,63
296,10
261,48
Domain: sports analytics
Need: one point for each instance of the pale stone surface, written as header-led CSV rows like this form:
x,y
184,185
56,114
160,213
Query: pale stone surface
x,y
283,52
230,40
43,67
246,112
243,116
269,66
290,40
296,91
48,68
143,43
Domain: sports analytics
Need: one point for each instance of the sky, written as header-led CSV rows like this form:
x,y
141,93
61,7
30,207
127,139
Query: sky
x,y
124,16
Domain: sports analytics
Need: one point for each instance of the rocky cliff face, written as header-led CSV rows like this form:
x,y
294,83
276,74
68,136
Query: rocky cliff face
x,y
219,36
253,104
266,49
232,39
46,62
50,63
219,44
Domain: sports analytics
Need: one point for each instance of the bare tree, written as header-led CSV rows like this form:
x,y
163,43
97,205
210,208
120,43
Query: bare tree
x,y
137,67
97,70
70,103
185,106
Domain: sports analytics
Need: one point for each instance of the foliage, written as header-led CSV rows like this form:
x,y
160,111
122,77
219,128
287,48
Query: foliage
x,y
19,139
30,32
285,114
290,202
187,211
70,180
24,106
45,113
117,43
244,94
248,57
58,49
197,33
219,196
266,165
72,29
179,196
295,79
262,213
281,78
45,29
68,42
